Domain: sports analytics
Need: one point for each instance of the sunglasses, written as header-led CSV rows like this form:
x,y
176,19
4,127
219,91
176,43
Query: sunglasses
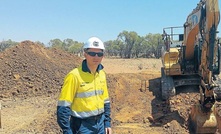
x,y
99,54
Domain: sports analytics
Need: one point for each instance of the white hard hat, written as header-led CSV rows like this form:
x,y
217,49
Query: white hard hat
x,y
94,42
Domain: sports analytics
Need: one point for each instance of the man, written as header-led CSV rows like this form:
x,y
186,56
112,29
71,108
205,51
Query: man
x,y
83,105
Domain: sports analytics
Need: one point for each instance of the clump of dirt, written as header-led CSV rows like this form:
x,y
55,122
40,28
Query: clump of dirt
x,y
29,69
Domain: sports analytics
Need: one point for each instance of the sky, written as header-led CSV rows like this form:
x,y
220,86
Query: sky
x,y
44,20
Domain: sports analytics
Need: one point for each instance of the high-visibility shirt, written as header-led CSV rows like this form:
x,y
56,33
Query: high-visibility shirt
x,y
85,93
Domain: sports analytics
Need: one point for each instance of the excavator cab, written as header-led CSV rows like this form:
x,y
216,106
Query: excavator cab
x,y
175,71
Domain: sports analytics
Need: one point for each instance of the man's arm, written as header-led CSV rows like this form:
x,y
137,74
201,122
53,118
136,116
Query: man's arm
x,y
64,103
107,120
107,110
63,115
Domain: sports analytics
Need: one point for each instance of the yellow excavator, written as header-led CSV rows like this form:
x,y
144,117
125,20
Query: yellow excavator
x,y
192,58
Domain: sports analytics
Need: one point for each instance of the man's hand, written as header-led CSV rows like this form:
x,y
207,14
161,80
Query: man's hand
x,y
108,130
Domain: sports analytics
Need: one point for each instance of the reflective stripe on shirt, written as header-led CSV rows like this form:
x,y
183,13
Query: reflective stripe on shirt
x,y
89,94
87,114
107,100
63,103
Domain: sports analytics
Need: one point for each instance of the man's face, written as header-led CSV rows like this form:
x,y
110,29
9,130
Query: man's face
x,y
94,56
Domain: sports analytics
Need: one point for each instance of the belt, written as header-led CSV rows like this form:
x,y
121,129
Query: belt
x,y
96,117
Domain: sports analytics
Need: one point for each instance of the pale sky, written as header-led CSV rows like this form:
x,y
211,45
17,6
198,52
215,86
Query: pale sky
x,y
43,20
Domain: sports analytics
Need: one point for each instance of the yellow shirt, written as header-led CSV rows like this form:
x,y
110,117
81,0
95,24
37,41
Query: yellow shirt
x,y
84,92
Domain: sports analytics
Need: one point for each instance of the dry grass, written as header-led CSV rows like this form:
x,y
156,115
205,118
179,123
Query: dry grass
x,y
131,65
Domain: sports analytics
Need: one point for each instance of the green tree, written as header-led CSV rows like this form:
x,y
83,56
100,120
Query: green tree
x,y
76,48
113,47
129,39
67,43
39,43
151,44
56,43
138,47
6,44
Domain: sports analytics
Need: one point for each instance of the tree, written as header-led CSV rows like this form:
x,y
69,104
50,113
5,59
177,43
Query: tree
x,y
129,39
56,43
67,43
39,43
138,47
113,47
151,44
6,44
76,48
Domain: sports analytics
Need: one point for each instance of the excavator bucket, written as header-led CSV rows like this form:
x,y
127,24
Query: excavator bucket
x,y
202,122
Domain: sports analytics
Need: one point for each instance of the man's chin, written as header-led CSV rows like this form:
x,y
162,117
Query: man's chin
x,y
96,62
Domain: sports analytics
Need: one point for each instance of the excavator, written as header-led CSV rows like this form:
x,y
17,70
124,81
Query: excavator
x,y
192,58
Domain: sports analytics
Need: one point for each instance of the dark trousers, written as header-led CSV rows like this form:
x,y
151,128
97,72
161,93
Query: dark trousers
x,y
90,125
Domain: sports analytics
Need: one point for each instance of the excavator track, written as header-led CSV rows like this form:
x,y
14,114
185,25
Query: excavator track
x,y
167,86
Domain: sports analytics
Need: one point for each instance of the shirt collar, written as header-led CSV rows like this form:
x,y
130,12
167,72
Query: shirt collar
x,y
86,69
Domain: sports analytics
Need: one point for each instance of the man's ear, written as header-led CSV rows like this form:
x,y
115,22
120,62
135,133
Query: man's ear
x,y
84,53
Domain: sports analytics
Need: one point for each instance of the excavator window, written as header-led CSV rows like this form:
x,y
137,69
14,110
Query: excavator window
x,y
180,37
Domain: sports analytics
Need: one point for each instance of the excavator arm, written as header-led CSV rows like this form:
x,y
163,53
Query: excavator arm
x,y
204,116
208,25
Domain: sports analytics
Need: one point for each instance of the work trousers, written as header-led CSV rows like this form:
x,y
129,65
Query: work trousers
x,y
90,125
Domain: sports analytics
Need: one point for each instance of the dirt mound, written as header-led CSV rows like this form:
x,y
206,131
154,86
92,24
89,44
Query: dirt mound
x,y
29,69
